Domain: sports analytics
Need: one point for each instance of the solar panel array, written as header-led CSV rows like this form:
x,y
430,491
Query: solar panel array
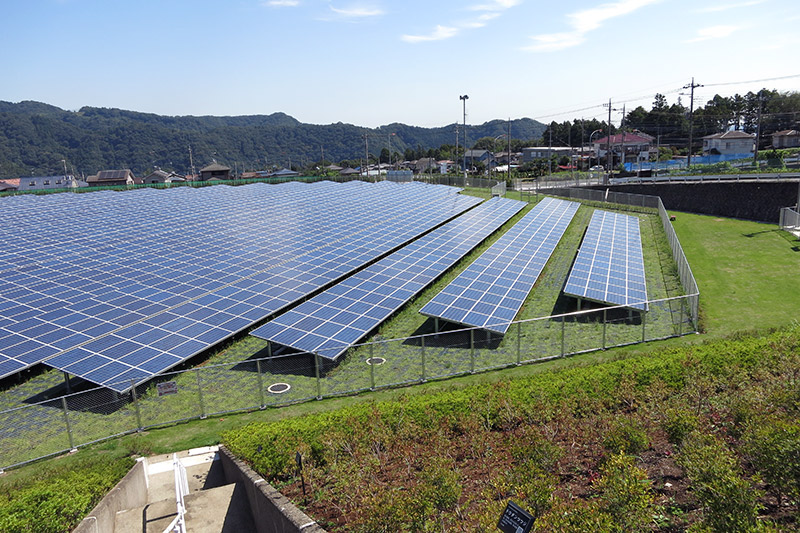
x,y
609,267
116,287
491,291
334,320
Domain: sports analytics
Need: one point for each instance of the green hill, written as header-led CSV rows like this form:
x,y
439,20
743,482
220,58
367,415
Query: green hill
x,y
36,137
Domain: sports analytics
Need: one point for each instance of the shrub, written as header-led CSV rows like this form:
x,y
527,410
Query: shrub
x,y
625,493
581,517
773,447
626,435
678,423
533,448
729,502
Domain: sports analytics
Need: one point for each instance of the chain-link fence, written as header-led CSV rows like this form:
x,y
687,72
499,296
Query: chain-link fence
x,y
789,220
51,422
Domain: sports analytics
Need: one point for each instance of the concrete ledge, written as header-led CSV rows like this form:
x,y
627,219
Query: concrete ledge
x,y
272,511
129,493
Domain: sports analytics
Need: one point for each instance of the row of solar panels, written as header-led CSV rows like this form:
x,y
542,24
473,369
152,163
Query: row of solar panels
x,y
159,276
150,300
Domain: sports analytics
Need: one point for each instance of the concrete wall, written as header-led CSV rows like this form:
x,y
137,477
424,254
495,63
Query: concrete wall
x,y
272,511
130,492
760,201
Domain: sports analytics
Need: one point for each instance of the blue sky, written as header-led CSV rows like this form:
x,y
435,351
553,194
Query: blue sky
x,y
374,62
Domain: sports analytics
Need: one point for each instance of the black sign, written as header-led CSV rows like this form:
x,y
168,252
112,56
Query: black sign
x,y
515,519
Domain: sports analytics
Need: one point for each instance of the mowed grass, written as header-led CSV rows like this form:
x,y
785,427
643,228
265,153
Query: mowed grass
x,y
748,273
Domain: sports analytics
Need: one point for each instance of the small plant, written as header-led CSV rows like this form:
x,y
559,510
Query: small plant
x,y
532,447
627,436
729,501
678,423
774,449
625,493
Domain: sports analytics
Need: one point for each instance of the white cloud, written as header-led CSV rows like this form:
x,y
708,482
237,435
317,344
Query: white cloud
x,y
357,12
438,34
489,11
712,32
582,22
725,7
282,3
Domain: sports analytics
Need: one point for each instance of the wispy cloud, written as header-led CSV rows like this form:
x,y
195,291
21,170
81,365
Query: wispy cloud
x,y
282,3
357,11
582,22
438,34
488,11
712,32
726,7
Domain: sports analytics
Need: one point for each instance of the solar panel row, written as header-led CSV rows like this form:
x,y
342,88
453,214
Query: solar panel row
x,y
491,291
334,320
609,267
158,276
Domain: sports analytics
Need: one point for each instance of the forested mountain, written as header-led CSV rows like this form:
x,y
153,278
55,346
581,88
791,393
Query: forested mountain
x,y
36,137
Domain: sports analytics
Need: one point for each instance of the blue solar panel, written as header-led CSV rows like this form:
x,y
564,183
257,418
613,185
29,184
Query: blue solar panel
x,y
238,254
609,267
331,322
490,292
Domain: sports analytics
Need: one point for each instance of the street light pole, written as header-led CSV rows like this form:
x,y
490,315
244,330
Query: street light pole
x,y
464,99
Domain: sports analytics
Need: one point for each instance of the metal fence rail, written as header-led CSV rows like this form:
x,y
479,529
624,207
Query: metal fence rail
x,y
789,220
46,426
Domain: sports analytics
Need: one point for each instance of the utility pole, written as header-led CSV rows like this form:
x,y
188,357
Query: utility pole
x,y
550,152
464,99
455,155
758,130
622,127
609,156
191,163
366,159
691,86
508,159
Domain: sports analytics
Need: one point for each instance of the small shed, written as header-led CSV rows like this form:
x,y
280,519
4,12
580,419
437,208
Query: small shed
x,y
215,171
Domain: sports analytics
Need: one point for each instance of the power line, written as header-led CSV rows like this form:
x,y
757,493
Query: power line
x,y
752,81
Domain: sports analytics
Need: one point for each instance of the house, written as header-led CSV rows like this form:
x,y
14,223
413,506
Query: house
x,y
215,171
426,165
480,156
533,153
729,143
786,139
40,183
626,147
284,173
113,178
5,186
159,176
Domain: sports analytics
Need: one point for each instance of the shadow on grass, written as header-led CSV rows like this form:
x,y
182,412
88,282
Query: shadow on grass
x,y
453,336
569,304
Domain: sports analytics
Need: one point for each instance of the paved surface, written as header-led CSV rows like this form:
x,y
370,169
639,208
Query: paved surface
x,y
211,506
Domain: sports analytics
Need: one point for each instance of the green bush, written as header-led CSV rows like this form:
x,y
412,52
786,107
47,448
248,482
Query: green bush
x,y
773,447
59,499
533,448
678,423
729,501
625,493
580,517
626,435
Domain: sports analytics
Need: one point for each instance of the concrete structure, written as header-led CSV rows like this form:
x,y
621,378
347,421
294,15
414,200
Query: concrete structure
x,y
786,139
532,153
225,495
730,142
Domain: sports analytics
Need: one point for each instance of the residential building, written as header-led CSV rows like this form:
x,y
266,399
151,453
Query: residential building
x,y
733,142
215,171
160,176
113,178
480,156
626,147
533,153
786,139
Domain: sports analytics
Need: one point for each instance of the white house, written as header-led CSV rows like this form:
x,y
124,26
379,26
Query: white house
x,y
730,142
786,139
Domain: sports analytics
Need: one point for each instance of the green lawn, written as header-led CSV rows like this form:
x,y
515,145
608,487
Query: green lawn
x,y
748,272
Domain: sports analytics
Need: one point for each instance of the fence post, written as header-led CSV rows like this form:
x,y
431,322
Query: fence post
x,y
261,403
605,319
680,320
200,395
371,369
422,354
66,421
472,351
644,325
136,406
316,371
519,343
563,323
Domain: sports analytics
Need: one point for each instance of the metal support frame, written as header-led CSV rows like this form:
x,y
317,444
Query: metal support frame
x,y
136,406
